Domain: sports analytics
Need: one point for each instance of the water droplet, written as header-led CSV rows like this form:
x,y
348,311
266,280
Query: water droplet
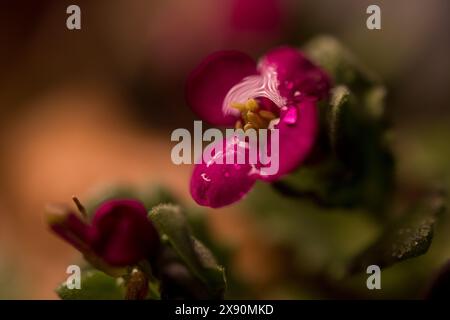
x,y
290,116
205,177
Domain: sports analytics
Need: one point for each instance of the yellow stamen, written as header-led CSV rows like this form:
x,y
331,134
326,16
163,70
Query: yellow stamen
x,y
251,116
244,116
252,105
255,120
240,106
267,115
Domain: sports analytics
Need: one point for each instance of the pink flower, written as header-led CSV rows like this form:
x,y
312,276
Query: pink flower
x,y
228,88
120,233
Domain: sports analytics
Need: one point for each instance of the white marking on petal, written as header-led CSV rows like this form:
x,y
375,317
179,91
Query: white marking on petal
x,y
203,175
264,84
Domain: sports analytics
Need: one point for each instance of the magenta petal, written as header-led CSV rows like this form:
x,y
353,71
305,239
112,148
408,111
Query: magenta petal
x,y
296,138
208,84
296,74
290,117
110,206
216,185
122,233
72,229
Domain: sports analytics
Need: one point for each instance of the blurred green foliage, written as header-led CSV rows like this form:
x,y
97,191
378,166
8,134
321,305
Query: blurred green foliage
x,y
96,285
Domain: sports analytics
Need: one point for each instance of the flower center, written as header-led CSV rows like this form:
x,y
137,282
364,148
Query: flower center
x,y
252,115
261,86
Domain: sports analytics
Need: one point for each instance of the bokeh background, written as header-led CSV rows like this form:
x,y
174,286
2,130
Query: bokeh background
x,y
85,110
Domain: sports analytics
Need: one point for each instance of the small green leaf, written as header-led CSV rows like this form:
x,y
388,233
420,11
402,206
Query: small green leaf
x,y
339,62
214,273
407,238
95,285
172,224
357,135
340,96
374,102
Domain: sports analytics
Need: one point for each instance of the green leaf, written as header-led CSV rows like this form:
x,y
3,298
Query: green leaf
x,y
95,285
339,62
340,179
359,166
325,184
356,124
357,135
172,224
374,102
340,96
407,238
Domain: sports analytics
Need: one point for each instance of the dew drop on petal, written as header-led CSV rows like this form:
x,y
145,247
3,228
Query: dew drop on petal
x,y
205,177
290,116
